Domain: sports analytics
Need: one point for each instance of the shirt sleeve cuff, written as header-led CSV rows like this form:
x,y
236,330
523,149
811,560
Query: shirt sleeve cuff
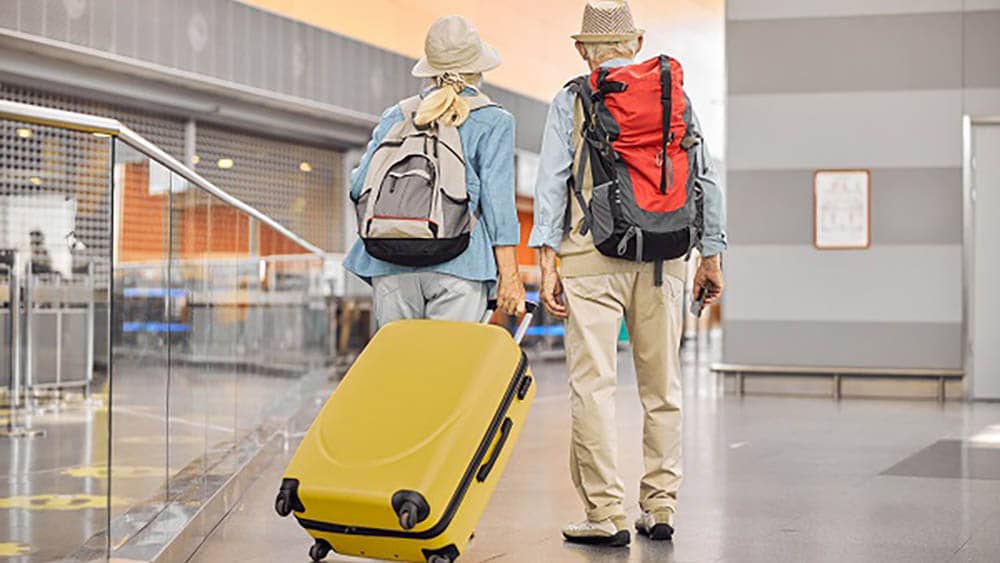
x,y
511,237
541,236
711,247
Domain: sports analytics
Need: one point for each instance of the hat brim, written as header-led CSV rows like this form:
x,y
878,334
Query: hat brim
x,y
607,37
488,59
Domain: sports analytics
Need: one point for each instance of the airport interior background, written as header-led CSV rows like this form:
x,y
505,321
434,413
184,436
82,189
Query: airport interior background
x,y
174,310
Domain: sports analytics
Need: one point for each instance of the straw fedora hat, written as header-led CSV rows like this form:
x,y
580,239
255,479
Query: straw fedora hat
x,y
453,45
607,21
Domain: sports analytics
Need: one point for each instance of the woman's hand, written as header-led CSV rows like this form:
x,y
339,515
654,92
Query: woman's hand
x,y
510,289
510,294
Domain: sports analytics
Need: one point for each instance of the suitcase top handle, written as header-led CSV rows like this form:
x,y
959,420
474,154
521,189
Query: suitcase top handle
x,y
529,307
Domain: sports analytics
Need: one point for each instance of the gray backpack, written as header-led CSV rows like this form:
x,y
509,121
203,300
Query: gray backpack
x,y
414,207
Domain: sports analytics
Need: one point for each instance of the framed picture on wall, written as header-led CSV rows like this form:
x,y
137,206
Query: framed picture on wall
x,y
842,209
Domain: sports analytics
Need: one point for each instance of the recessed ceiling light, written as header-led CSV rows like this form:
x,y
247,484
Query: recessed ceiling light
x,y
35,180
225,163
305,166
24,132
195,159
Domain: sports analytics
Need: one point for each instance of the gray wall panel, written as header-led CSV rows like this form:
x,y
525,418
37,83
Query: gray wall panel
x,y
909,206
982,50
901,129
784,9
832,344
769,207
846,54
982,101
917,206
883,283
56,20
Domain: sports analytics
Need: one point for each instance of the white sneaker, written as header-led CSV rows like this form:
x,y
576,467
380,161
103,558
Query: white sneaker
x,y
605,532
657,525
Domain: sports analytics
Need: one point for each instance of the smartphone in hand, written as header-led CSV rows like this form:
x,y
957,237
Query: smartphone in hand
x,y
698,301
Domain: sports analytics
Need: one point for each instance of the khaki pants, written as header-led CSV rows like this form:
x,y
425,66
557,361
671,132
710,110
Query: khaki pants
x,y
653,317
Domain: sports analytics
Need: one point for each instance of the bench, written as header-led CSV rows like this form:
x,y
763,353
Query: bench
x,y
838,374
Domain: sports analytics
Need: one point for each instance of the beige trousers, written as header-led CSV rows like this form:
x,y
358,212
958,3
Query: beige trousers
x,y
653,316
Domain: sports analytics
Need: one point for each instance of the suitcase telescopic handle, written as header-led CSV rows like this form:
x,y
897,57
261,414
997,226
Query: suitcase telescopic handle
x,y
529,313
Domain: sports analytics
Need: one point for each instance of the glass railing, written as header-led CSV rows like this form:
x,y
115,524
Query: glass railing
x,y
150,327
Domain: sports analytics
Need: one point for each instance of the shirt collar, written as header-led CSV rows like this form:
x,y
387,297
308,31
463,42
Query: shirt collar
x,y
467,91
617,62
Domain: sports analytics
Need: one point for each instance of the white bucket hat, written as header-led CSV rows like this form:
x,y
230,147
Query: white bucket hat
x,y
453,45
607,21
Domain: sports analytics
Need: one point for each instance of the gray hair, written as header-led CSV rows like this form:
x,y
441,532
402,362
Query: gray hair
x,y
602,51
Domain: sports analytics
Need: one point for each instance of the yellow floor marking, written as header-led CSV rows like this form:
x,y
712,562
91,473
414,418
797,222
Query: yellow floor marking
x,y
12,549
61,502
101,471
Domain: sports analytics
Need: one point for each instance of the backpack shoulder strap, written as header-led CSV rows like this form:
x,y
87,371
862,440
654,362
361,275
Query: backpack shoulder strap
x,y
580,87
480,101
409,107
582,108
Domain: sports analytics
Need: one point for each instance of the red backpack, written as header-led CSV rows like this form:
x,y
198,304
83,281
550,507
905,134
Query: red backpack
x,y
636,138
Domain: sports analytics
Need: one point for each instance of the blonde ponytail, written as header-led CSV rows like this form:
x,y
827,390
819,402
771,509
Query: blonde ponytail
x,y
445,104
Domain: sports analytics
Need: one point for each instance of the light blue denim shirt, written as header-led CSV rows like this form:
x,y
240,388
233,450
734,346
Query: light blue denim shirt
x,y
488,143
556,162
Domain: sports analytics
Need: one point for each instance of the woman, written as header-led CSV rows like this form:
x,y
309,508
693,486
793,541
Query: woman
x,y
458,289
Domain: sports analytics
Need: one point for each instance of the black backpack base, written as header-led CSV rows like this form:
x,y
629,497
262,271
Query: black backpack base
x,y
417,253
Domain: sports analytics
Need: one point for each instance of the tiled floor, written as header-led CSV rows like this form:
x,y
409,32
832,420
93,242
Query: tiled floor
x,y
767,479
55,493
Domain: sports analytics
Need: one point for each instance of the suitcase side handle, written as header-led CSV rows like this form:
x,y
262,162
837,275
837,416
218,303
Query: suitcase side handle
x,y
487,467
529,307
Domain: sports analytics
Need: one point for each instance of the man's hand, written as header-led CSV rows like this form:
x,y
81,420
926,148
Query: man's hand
x,y
708,279
510,289
551,292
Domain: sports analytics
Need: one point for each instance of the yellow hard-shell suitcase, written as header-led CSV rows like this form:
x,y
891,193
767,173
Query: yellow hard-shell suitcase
x,y
403,458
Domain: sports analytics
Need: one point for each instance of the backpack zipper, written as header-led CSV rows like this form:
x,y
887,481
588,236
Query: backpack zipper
x,y
623,243
667,180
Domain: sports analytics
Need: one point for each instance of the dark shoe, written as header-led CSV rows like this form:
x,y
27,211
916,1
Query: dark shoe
x,y
656,525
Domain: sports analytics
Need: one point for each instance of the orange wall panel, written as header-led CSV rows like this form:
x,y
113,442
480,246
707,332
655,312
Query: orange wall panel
x,y
144,218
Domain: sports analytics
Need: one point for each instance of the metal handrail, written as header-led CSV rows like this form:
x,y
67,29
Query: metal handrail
x,y
105,126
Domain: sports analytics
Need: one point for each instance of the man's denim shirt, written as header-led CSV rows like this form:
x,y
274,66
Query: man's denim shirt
x,y
556,162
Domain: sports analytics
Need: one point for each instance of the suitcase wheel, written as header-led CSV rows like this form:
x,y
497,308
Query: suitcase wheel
x,y
411,508
287,500
445,555
319,550
282,505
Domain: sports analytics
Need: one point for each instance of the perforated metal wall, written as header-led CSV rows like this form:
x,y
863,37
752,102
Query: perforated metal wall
x,y
54,182
165,132
298,185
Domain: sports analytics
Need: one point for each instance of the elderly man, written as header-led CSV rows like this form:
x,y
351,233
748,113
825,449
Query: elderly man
x,y
626,188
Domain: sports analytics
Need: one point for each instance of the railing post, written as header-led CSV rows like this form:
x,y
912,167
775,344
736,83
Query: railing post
x,y
91,319
15,336
29,342
13,429
57,280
